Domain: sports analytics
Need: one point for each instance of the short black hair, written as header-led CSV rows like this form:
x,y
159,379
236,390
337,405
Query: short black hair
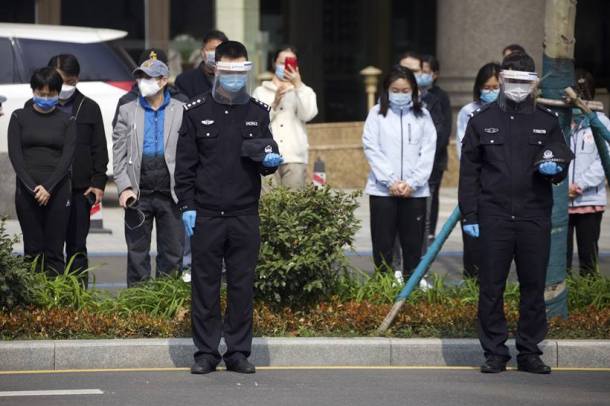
x,y
232,50
147,54
414,55
399,72
432,61
283,48
513,48
215,34
47,76
485,73
519,61
67,63
585,84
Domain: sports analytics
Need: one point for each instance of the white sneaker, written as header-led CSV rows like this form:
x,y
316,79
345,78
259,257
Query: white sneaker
x,y
399,278
186,276
424,284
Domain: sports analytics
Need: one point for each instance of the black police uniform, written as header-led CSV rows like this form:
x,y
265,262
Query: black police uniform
x,y
223,187
501,189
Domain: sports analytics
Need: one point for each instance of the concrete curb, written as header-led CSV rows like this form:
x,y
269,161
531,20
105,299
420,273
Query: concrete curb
x,y
178,352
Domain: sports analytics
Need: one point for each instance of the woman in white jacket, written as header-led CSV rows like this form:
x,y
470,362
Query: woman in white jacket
x,y
399,143
292,105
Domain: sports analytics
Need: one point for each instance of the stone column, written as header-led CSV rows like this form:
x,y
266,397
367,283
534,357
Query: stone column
x,y
471,33
240,20
48,12
157,17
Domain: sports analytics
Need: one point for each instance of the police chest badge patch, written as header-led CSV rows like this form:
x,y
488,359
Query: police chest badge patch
x,y
539,131
491,130
268,149
548,154
207,122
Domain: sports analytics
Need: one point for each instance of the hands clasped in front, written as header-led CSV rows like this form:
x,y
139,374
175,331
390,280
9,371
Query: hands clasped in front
x,y
401,188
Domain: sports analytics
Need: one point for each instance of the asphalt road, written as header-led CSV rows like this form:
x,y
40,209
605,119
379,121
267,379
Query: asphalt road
x,y
379,387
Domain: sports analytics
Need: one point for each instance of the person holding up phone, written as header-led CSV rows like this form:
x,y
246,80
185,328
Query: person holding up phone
x,y
292,105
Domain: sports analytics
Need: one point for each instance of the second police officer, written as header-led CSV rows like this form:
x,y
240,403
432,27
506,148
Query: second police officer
x,y
224,146
505,196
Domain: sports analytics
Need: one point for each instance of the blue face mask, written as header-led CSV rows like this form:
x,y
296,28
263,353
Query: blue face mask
x,y
424,79
233,83
489,96
279,71
45,103
399,99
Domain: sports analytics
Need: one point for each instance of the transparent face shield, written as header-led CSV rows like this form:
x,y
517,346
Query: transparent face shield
x,y
517,86
232,82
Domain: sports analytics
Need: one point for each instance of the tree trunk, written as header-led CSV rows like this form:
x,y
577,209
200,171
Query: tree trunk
x,y
558,71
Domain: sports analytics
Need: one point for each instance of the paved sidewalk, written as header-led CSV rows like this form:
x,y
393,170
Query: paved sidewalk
x,y
108,251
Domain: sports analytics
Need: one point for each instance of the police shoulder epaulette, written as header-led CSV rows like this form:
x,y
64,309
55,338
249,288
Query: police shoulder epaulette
x,y
194,102
546,110
480,109
259,103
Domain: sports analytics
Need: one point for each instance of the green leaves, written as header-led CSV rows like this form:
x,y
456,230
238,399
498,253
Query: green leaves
x,y
17,283
303,234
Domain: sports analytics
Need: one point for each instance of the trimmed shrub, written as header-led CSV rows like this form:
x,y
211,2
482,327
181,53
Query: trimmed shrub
x,y
18,282
303,234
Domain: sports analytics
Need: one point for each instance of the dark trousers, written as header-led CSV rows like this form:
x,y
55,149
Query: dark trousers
x,y
471,256
161,209
528,243
433,215
44,227
76,234
587,228
237,240
392,215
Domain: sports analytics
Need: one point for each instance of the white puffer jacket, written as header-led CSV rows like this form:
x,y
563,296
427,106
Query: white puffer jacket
x,y
298,106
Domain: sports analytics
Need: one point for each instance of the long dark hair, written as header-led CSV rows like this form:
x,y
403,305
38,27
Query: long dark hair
x,y
67,63
485,73
399,72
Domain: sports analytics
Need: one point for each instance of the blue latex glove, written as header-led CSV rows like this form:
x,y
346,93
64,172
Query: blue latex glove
x,y
272,160
472,230
549,168
188,218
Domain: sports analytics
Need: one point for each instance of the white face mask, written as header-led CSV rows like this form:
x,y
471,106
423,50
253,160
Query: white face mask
x,y
517,92
210,58
148,87
66,92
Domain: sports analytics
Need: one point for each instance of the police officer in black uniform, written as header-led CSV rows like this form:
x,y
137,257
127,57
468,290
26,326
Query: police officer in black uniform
x,y
225,145
506,199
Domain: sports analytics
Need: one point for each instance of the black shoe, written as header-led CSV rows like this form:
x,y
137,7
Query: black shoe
x,y
532,364
203,366
493,365
240,365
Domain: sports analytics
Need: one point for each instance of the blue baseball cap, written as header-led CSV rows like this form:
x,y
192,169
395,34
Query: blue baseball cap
x,y
153,68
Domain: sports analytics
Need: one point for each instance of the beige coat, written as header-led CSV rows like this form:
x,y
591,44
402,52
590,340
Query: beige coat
x,y
298,106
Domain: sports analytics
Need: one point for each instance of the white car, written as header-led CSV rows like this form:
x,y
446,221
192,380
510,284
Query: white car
x,y
105,73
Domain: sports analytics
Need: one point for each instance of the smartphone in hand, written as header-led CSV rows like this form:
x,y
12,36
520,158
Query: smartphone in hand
x,y
291,63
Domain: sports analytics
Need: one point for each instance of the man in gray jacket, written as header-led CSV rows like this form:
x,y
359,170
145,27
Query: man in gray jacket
x,y
144,158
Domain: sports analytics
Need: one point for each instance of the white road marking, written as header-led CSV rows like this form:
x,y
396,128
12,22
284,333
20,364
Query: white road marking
x,y
60,392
